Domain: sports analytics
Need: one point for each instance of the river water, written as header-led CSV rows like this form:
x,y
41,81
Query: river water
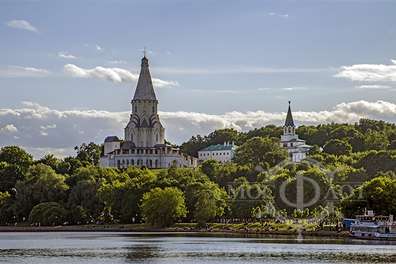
x,y
97,247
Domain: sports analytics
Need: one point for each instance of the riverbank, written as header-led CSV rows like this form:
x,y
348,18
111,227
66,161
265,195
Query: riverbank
x,y
178,228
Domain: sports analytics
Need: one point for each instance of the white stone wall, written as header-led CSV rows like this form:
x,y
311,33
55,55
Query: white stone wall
x,y
145,136
219,155
111,146
148,160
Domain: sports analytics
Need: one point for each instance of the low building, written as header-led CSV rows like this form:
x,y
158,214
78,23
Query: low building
x,y
144,142
296,147
220,152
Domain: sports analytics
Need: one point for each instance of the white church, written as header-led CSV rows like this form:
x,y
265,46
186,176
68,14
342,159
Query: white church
x,y
296,147
144,140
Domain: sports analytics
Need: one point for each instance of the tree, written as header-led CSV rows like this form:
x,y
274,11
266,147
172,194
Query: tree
x,y
4,197
256,151
162,207
377,161
378,194
42,184
223,135
49,213
247,197
209,168
210,202
89,153
337,147
193,145
16,156
9,175
50,160
376,140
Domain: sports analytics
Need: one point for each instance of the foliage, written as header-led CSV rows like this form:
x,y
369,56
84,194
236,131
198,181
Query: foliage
x,y
360,156
89,153
257,151
210,202
162,207
337,147
49,213
378,194
16,156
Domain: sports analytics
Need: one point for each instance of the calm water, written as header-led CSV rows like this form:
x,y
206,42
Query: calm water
x,y
185,248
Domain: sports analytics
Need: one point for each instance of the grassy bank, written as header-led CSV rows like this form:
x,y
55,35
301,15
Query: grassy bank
x,y
242,228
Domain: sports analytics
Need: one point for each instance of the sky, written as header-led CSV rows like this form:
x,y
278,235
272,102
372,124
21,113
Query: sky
x,y
68,69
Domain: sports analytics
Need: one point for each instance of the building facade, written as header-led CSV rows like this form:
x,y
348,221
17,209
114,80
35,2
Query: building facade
x,y
144,136
296,147
221,152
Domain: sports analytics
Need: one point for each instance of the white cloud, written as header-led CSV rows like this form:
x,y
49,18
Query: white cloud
x,y
10,128
278,15
117,62
374,86
116,75
65,129
369,72
98,48
66,55
297,88
21,24
22,71
241,70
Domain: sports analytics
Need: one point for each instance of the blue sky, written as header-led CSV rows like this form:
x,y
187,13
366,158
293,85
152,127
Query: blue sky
x,y
216,57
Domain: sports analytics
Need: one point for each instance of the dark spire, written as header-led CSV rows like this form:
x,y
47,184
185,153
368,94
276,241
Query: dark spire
x,y
144,89
289,118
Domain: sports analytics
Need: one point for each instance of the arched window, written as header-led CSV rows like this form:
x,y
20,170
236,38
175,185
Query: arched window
x,y
153,109
135,108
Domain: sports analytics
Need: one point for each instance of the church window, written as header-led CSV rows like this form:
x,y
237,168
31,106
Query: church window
x,y
153,109
135,108
156,137
132,162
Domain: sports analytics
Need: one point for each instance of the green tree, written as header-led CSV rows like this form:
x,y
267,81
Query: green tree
x,y
4,197
265,152
49,213
50,160
246,197
89,153
16,156
337,147
378,194
9,175
376,140
223,135
210,202
209,167
42,184
162,207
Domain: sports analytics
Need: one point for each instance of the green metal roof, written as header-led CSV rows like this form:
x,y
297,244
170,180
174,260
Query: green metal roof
x,y
218,147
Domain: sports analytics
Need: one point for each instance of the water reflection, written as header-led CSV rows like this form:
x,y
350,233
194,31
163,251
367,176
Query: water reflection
x,y
142,253
90,248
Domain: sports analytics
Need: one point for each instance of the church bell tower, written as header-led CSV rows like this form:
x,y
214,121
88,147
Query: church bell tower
x,y
144,128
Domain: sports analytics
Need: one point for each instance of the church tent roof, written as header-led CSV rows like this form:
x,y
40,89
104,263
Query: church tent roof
x,y
144,89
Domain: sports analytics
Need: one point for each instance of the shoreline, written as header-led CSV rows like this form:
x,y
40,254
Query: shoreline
x,y
142,229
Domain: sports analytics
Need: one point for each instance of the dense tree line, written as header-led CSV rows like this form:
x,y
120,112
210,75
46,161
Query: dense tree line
x,y
355,164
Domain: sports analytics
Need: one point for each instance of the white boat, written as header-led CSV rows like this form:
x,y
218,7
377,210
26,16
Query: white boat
x,y
370,226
